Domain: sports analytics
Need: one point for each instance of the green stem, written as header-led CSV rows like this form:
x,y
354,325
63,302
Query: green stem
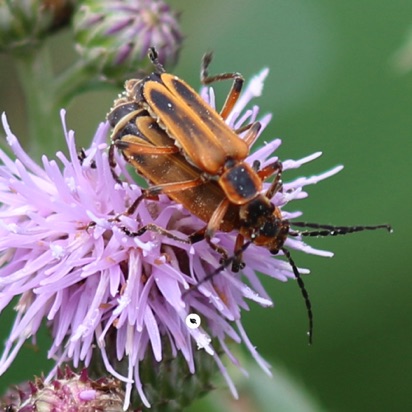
x,y
36,76
45,95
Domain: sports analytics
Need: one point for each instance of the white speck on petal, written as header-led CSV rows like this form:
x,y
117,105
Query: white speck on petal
x,y
57,250
203,342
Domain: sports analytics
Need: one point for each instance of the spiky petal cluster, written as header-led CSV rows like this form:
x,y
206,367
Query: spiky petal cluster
x,y
118,298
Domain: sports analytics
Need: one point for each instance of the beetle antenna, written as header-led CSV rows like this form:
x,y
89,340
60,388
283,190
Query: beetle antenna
x,y
328,230
154,58
204,69
227,262
304,292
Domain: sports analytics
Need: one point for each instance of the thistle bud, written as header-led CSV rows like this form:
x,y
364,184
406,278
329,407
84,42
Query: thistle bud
x,y
68,392
114,36
24,23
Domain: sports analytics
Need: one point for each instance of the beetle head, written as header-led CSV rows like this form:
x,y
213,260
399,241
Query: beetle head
x,y
261,222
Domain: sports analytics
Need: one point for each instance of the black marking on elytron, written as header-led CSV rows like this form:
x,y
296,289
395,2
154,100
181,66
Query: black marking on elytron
x,y
161,101
192,100
179,116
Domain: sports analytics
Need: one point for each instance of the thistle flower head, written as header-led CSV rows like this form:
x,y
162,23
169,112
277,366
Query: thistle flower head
x,y
115,35
68,256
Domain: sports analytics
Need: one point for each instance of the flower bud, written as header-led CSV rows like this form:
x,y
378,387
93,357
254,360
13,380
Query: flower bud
x,y
24,23
114,36
69,392
170,382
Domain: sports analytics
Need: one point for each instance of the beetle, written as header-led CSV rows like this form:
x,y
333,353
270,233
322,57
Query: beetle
x,y
184,148
201,135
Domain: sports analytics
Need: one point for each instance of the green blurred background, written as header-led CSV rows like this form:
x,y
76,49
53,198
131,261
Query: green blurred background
x,y
333,86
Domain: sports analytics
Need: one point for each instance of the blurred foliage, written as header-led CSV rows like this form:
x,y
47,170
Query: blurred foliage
x,y
332,87
258,392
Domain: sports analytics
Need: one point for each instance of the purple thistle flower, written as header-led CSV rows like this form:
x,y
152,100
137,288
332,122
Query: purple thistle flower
x,y
104,292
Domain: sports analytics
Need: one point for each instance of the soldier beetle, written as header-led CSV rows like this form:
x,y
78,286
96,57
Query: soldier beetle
x,y
200,134
184,148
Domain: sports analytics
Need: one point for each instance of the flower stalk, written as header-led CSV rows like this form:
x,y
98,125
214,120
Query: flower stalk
x,y
35,72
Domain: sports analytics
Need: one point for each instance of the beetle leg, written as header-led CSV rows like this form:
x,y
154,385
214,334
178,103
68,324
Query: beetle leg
x,y
270,169
256,166
112,161
166,188
112,164
136,146
208,231
153,228
235,90
276,186
218,270
81,156
174,187
237,263
252,134
216,219
214,224
149,227
201,235
153,191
